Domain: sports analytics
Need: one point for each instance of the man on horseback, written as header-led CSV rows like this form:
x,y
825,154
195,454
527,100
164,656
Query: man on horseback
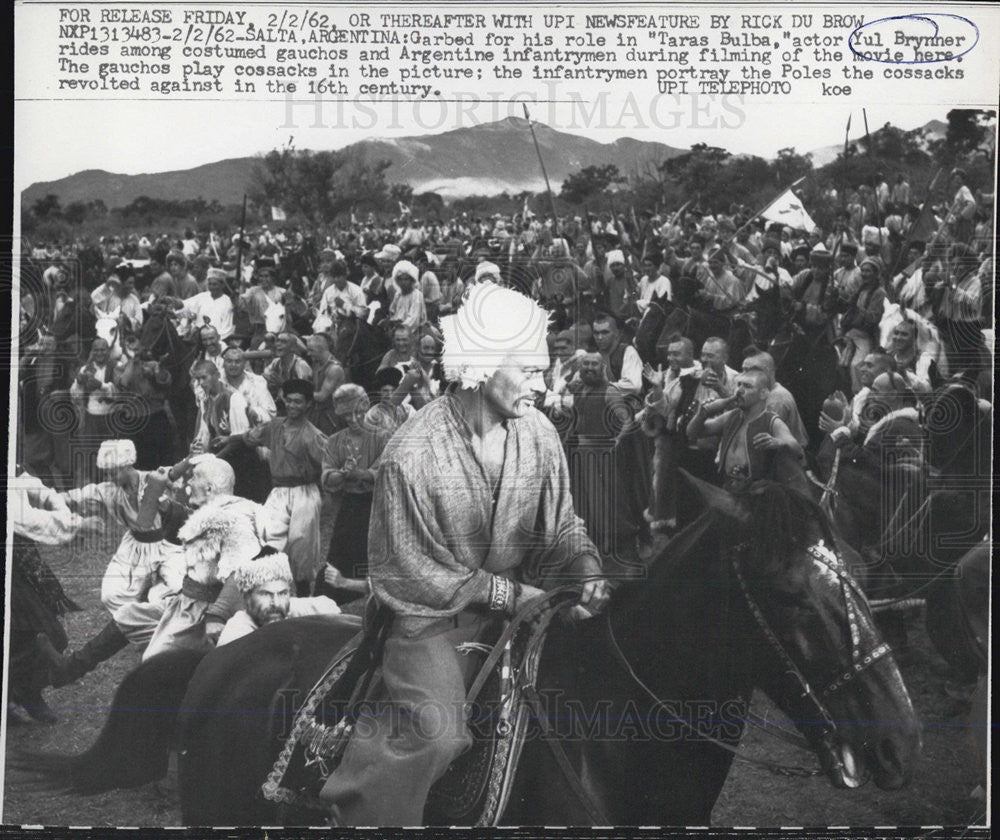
x,y
472,502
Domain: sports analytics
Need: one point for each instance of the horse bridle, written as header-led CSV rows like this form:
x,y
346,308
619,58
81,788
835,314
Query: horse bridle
x,y
860,662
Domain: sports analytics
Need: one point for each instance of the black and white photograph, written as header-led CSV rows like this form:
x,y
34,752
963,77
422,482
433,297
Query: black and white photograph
x,y
501,415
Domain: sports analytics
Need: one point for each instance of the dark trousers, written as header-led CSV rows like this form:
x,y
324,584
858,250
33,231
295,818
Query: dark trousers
x,y
348,552
399,749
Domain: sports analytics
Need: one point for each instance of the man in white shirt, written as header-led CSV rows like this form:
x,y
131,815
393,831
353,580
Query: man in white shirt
x,y
622,360
342,297
213,307
652,284
407,307
252,386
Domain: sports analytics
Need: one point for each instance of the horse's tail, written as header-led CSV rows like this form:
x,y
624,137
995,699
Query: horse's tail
x,y
134,746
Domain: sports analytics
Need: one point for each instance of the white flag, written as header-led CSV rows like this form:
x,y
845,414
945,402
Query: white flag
x,y
277,214
527,210
404,209
788,210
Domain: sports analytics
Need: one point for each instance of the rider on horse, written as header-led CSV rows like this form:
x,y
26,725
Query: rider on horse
x,y
472,501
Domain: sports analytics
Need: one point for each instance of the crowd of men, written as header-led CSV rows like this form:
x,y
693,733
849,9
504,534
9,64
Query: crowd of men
x,y
274,431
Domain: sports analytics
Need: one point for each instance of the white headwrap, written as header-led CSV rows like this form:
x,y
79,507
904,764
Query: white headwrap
x,y
492,324
405,267
485,268
113,454
253,573
613,257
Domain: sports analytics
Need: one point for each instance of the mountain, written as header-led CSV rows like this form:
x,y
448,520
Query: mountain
x,y
484,159
935,130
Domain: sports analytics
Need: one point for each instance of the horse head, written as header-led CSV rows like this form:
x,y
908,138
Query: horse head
x,y
818,652
108,328
765,566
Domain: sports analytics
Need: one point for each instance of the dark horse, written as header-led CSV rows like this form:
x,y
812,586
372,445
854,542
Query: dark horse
x,y
159,338
913,523
664,320
359,347
641,698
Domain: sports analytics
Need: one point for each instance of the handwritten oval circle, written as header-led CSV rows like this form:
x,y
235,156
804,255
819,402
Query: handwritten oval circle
x,y
922,18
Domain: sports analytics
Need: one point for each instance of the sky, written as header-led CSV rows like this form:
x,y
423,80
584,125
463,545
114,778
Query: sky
x,y
56,139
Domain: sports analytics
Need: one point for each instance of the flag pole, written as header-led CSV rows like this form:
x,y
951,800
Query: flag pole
x,y
538,151
762,210
909,233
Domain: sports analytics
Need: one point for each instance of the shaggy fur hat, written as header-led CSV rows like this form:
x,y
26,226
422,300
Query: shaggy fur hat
x,y
253,573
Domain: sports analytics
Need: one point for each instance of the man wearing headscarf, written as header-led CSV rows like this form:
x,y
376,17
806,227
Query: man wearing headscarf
x,y
472,511
147,567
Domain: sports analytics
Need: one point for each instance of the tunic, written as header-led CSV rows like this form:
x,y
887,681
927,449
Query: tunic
x,y
436,540
409,309
295,454
136,560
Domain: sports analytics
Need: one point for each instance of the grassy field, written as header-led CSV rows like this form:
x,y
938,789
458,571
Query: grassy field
x,y
939,794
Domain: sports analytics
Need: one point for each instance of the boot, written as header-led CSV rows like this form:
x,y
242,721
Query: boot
x,y
67,668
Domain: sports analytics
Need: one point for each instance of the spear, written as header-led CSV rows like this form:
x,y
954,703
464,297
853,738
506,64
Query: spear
x,y
548,186
239,245
878,211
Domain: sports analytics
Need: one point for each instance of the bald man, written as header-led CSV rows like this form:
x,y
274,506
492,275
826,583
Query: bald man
x,y
755,443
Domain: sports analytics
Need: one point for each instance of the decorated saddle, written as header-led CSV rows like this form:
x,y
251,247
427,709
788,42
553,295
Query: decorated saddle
x,y
503,669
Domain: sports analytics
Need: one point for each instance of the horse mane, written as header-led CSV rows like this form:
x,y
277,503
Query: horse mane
x,y
781,522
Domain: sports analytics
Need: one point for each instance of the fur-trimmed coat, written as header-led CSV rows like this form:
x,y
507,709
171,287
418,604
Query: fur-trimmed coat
x,y
224,532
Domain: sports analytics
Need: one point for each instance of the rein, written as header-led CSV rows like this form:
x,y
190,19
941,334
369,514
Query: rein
x,y
860,662
772,766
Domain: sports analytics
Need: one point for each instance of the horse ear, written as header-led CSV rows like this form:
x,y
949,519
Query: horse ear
x,y
697,496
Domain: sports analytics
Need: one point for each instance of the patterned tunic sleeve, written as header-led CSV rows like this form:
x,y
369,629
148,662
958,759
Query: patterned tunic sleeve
x,y
412,568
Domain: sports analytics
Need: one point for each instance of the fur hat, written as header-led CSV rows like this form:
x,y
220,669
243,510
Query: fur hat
x,y
225,532
256,572
113,454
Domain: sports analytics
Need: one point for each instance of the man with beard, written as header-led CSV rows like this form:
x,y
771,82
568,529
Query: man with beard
x,y
265,584
754,443
472,512
223,532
